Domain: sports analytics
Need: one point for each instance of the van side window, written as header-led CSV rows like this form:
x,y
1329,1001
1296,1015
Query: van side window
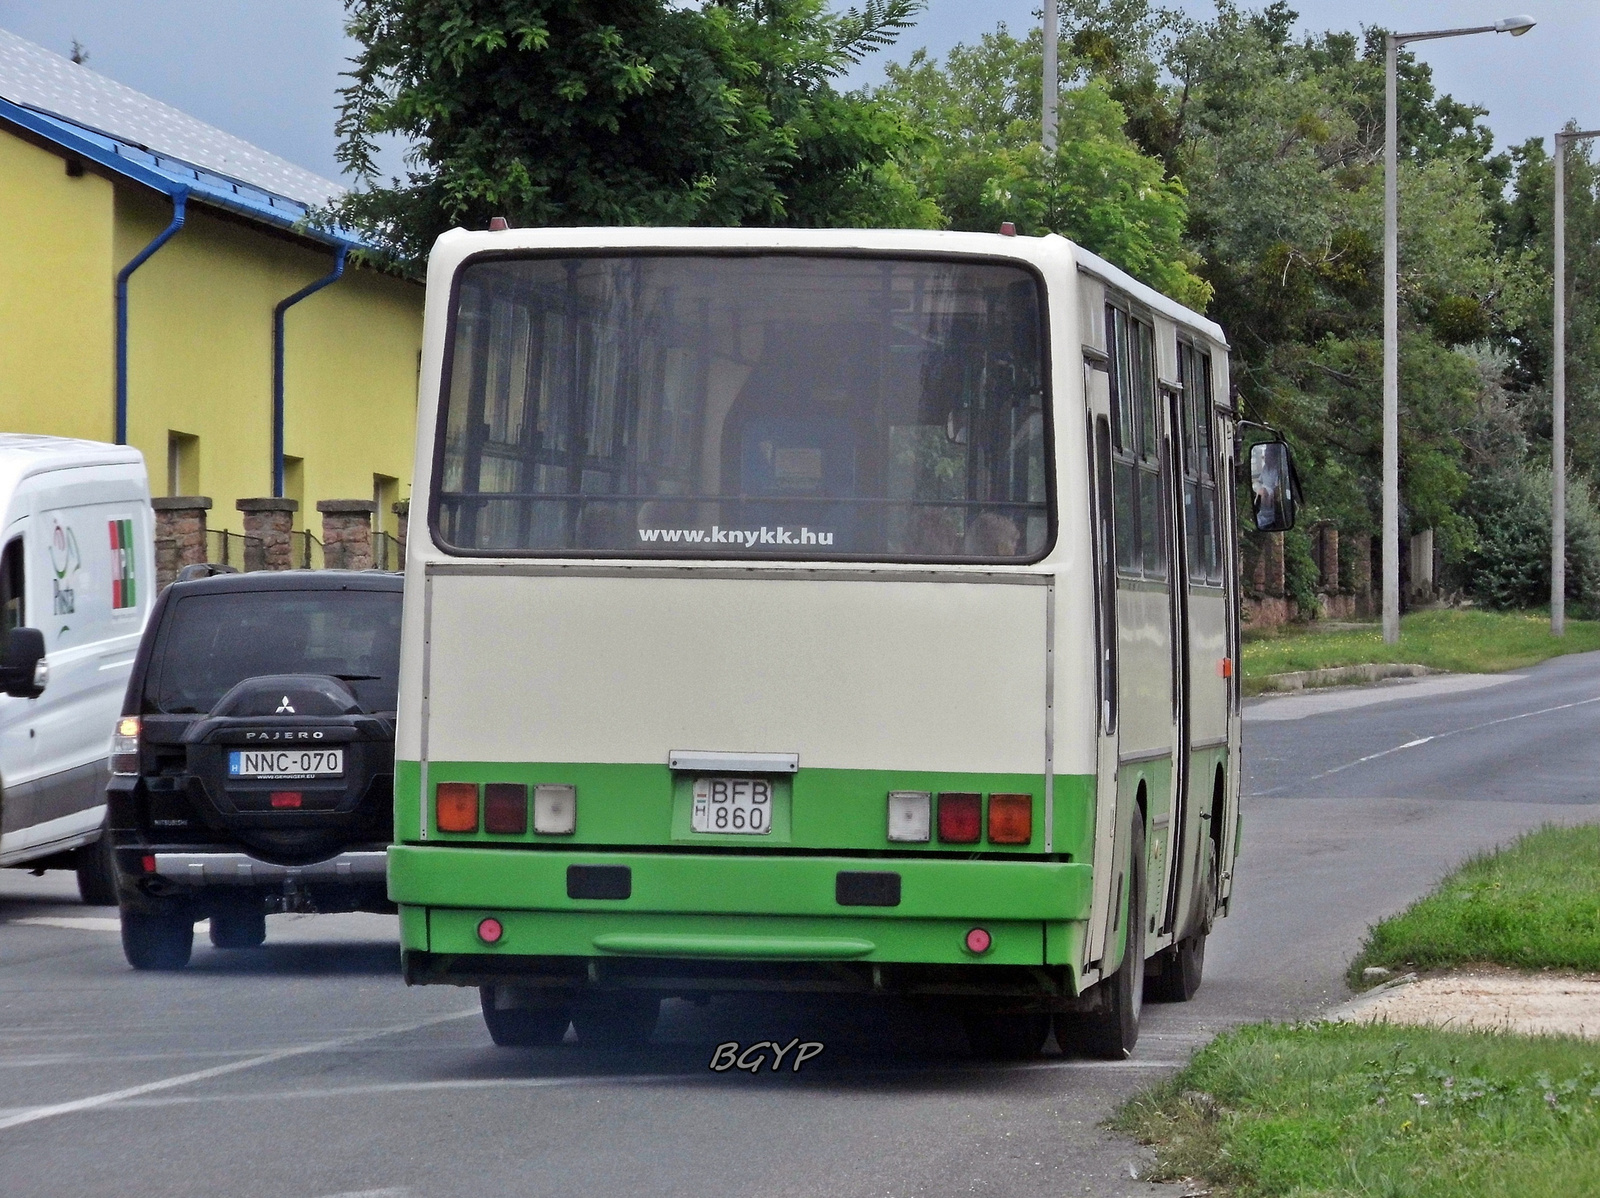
x,y
1140,527
13,614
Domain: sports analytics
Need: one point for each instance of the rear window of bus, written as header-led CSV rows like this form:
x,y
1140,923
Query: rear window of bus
x,y
749,406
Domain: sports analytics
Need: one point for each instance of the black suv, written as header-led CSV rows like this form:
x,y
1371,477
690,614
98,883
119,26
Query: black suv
x,y
253,766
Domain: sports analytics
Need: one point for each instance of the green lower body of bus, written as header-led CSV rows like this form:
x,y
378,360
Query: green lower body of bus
x,y
708,922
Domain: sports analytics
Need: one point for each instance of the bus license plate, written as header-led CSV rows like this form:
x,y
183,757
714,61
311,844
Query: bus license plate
x,y
286,763
737,806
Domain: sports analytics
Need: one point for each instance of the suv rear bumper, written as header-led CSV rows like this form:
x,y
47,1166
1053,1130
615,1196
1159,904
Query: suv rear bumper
x,y
241,869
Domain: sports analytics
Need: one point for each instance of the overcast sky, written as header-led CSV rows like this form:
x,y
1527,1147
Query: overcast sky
x,y
267,70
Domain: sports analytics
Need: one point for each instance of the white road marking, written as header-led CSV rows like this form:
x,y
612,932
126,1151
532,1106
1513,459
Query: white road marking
x,y
550,1083
34,1114
76,923
1422,740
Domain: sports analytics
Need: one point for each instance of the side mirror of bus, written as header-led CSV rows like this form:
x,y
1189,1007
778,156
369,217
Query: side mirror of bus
x,y
23,669
1272,486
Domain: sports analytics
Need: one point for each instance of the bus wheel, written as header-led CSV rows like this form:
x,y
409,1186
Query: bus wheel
x,y
1111,1032
523,1027
157,940
1183,964
240,928
1005,1037
621,1020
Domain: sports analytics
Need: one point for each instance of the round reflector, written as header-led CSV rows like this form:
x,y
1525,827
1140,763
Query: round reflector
x,y
490,931
978,941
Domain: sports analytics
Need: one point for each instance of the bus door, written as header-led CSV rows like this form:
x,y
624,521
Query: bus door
x,y
1172,492
1097,388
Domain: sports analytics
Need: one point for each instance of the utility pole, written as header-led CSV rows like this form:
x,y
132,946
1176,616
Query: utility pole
x,y
1558,407
1516,27
1052,85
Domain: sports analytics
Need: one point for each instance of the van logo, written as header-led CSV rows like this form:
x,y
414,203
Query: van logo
x,y
285,706
65,563
124,585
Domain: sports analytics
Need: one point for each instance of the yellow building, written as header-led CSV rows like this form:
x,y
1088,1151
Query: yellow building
x,y
159,286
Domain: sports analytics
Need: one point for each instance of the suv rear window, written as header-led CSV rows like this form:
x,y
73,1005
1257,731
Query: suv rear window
x,y
211,643
767,405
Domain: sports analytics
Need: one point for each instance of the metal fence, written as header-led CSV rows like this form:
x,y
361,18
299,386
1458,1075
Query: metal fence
x,y
305,551
386,552
234,549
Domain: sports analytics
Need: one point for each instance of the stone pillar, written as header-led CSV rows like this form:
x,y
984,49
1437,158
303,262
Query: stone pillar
x,y
402,510
346,533
1361,574
1325,547
180,534
268,525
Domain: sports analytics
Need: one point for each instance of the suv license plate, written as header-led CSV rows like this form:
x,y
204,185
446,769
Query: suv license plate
x,y
285,763
736,806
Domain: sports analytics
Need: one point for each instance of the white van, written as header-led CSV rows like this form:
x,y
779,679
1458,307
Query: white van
x,y
77,581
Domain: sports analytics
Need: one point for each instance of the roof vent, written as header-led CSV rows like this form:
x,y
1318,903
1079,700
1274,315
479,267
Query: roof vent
x,y
497,224
1007,229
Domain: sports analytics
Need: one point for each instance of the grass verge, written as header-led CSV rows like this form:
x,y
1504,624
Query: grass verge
x,y
1348,1109
1470,642
1533,905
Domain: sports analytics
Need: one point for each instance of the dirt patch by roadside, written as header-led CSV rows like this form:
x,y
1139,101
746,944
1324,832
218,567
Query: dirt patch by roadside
x,y
1487,999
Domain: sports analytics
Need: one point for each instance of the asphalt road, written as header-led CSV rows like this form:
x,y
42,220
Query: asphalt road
x,y
307,1069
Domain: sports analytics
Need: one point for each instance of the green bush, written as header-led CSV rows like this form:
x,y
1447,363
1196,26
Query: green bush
x,y
1510,565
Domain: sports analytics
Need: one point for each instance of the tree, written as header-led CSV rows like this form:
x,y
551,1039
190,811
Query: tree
x,y
570,112
978,156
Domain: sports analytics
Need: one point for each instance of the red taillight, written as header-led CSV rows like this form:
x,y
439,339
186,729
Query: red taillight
x,y
1010,819
505,808
490,930
148,863
125,746
455,806
960,817
978,941
285,798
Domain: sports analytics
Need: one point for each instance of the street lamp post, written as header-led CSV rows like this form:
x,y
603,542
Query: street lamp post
x,y
1558,407
1516,27
1051,97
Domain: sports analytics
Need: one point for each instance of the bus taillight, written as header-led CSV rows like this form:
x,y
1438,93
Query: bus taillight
x,y
960,817
1010,819
455,806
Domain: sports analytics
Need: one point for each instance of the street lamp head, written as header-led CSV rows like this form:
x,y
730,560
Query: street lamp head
x,y
1515,26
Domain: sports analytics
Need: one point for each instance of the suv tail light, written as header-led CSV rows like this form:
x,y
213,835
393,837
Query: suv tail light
x,y
960,817
125,746
455,806
1010,819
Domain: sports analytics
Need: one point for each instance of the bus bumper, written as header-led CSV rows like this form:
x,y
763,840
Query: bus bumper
x,y
718,922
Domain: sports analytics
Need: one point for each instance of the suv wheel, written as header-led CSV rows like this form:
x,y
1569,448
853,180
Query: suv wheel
x,y
97,872
238,929
157,940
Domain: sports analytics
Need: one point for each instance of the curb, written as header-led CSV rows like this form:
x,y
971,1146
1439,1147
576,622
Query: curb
x,y
1347,1012
1300,680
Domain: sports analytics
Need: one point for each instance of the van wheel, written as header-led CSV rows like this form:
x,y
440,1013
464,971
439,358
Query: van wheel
x,y
1111,1032
1005,1037
523,1027
624,1020
157,940
238,929
97,872
1183,964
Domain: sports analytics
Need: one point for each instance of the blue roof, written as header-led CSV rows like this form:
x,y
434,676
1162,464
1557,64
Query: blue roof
x,y
154,144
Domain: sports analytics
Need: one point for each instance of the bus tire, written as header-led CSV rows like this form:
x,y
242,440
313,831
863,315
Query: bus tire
x,y
616,1021
1110,1033
159,940
96,867
238,929
997,1037
1183,964
523,1027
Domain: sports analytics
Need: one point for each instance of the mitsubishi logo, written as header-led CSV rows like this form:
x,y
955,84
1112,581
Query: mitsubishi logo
x,y
285,706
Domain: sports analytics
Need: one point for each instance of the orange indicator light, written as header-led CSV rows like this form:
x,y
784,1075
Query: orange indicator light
x,y
455,806
1010,819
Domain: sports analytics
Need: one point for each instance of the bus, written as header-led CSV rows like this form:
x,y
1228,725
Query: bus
x,y
823,611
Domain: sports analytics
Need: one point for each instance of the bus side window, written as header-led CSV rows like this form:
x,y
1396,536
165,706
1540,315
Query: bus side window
x,y
1135,437
1200,472
13,612
1107,590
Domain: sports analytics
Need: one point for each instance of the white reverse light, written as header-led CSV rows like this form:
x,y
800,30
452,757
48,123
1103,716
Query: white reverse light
x,y
910,815
555,810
